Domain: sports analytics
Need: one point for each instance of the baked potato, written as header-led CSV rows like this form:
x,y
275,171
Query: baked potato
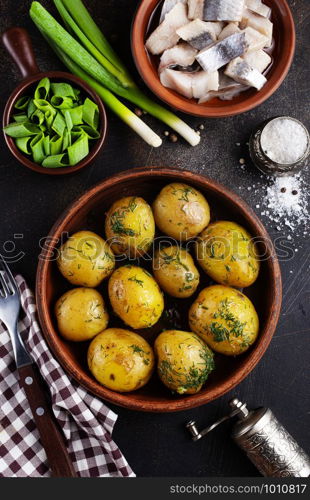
x,y
225,319
130,226
85,259
175,271
135,296
81,314
226,252
120,360
184,361
180,211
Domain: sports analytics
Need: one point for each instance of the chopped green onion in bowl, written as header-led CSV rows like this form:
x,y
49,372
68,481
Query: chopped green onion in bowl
x,y
54,125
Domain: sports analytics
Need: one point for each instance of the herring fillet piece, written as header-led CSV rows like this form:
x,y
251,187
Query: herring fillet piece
x,y
230,29
227,89
242,72
223,10
179,81
217,27
259,7
165,36
224,95
254,39
259,60
180,55
195,9
168,6
203,82
259,23
198,34
191,85
230,94
221,53
226,83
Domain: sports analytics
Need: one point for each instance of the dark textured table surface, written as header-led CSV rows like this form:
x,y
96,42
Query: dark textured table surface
x,y
156,445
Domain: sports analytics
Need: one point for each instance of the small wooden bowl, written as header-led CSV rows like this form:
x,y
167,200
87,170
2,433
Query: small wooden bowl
x,y
88,212
18,44
284,36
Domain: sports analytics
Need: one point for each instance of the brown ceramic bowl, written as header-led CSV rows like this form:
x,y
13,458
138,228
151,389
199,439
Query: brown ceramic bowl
x,y
89,212
18,44
284,37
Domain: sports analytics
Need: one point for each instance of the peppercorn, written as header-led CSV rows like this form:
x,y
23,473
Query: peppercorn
x,y
173,138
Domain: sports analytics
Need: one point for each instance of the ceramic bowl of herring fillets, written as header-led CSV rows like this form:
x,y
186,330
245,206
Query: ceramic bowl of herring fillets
x,y
213,58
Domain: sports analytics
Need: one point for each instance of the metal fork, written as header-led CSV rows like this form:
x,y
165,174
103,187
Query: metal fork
x,y
30,379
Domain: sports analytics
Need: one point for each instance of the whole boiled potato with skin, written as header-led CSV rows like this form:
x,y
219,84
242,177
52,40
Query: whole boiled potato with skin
x,y
130,226
227,253
85,259
135,296
184,361
180,211
175,271
120,360
81,314
225,319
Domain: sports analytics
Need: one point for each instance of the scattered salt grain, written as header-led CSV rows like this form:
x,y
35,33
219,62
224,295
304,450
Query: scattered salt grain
x,y
286,199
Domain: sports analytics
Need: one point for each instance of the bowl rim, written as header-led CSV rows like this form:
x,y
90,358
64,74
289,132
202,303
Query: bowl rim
x,y
20,90
185,402
179,102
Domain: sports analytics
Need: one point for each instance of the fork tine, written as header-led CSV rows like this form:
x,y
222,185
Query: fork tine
x,y
11,280
4,289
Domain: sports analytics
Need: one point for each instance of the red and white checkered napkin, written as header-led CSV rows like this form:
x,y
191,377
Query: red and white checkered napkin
x,y
86,422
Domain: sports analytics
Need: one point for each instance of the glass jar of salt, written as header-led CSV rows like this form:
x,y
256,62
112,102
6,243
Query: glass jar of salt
x,y
280,146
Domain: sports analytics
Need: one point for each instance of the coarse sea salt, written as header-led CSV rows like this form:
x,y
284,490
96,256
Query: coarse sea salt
x,y
284,202
284,140
286,199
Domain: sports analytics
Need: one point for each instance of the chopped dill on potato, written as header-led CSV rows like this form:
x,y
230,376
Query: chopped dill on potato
x,y
235,327
169,259
136,280
184,193
117,224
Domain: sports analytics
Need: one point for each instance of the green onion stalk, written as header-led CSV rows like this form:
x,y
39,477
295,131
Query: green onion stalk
x,y
124,113
93,59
